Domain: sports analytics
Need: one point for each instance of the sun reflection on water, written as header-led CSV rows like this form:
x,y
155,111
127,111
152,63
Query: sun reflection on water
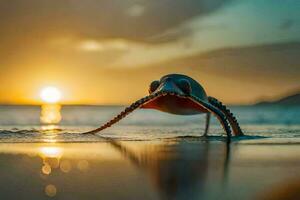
x,y
55,157
50,114
52,152
51,156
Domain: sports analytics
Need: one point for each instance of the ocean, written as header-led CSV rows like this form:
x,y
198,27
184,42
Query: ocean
x,y
23,123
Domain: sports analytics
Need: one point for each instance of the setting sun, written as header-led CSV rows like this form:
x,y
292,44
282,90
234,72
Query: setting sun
x,y
50,95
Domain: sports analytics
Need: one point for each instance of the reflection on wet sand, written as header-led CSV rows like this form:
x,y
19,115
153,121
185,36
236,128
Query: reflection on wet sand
x,y
288,191
52,157
175,172
169,169
51,161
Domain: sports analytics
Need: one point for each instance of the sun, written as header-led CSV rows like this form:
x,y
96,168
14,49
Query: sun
x,y
50,94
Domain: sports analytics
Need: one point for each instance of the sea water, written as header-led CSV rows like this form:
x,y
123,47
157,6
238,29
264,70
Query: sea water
x,y
23,123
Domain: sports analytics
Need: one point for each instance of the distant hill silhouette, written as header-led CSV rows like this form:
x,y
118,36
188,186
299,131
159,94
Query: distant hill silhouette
x,y
293,99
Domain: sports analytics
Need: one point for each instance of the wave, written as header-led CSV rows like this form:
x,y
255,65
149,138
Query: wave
x,y
254,135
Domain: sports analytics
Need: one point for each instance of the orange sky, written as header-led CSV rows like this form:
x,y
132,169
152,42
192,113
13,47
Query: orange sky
x,y
96,52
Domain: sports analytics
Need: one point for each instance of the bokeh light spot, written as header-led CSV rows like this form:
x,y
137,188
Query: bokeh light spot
x,y
46,169
83,165
65,166
50,190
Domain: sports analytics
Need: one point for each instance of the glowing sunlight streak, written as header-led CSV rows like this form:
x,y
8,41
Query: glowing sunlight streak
x,y
52,152
50,114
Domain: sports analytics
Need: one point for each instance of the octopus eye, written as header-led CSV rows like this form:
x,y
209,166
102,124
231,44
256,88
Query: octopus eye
x,y
185,86
153,86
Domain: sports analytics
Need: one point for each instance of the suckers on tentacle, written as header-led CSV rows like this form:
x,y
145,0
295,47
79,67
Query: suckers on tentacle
x,y
181,95
230,117
144,100
125,112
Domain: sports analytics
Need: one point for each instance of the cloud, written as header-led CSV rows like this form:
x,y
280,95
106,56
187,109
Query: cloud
x,y
129,19
134,33
94,45
136,10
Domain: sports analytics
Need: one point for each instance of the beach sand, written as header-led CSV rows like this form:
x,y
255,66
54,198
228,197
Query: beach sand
x,y
186,168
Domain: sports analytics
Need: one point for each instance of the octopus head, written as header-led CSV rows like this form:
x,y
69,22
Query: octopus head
x,y
172,91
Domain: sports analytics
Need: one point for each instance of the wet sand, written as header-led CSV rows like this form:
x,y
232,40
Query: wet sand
x,y
163,169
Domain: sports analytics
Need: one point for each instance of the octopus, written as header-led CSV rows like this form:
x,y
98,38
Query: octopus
x,y
181,95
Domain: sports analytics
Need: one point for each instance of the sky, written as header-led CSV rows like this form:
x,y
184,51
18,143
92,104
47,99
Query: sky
x,y
108,51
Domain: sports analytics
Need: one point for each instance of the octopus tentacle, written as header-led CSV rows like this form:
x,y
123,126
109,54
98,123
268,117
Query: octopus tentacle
x,y
125,112
207,124
208,106
231,118
217,112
